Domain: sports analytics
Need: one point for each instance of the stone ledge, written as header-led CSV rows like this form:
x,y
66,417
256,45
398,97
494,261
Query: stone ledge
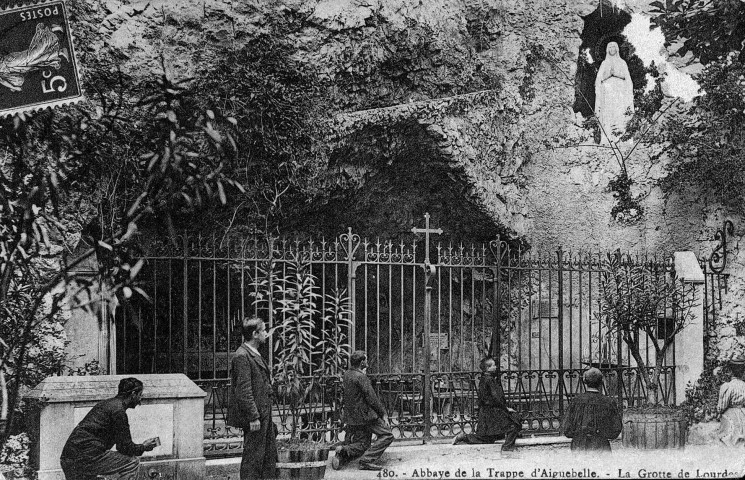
x,y
348,122
99,387
521,442
228,467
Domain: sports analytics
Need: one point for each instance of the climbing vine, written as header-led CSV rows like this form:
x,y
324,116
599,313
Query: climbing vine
x,y
627,208
535,55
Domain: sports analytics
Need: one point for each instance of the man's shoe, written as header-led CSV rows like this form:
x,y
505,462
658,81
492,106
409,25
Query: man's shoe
x,y
336,461
370,466
459,438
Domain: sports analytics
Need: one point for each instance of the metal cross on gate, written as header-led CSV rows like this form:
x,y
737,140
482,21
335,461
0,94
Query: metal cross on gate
x,y
426,231
429,271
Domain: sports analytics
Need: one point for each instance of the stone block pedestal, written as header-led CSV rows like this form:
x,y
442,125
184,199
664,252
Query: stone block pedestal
x,y
172,409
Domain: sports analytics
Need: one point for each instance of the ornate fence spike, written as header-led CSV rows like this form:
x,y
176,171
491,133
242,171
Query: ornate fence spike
x,y
718,258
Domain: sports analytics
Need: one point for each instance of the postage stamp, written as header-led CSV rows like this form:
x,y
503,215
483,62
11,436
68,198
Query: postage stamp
x,y
37,60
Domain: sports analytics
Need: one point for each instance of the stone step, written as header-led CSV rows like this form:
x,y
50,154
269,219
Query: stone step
x,y
228,468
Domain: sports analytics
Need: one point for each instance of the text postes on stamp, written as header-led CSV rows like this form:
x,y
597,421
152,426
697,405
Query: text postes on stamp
x,y
37,61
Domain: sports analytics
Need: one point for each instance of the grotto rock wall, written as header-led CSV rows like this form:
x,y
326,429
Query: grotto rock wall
x,y
491,81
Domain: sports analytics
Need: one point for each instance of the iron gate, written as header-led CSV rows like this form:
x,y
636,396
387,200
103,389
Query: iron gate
x,y
535,312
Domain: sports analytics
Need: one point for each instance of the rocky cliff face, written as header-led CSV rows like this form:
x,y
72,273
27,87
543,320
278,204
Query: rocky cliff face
x,y
490,82
486,88
421,62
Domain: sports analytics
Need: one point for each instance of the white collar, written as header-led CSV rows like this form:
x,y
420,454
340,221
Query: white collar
x,y
592,390
251,348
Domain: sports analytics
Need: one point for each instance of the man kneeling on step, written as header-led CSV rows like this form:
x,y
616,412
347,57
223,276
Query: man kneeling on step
x,y
364,415
495,417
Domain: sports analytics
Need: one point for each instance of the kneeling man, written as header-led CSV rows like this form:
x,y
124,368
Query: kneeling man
x,y
364,415
495,417
592,419
88,453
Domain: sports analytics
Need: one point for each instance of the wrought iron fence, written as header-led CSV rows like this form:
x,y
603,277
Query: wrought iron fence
x,y
536,313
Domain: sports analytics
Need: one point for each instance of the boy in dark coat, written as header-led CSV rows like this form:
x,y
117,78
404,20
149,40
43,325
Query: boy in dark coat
x,y
592,419
364,415
495,417
88,453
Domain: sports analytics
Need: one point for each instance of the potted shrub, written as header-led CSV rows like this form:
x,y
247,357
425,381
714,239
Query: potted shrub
x,y
299,347
646,307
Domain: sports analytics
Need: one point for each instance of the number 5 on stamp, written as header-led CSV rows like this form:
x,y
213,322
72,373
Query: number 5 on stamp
x,y
37,61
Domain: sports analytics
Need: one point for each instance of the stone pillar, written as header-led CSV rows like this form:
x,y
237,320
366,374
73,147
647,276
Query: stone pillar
x,y
689,343
92,333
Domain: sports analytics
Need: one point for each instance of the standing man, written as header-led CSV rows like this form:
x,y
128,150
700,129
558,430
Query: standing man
x,y
88,453
592,419
364,415
250,405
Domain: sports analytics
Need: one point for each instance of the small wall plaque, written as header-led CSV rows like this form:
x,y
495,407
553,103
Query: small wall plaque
x,y
436,341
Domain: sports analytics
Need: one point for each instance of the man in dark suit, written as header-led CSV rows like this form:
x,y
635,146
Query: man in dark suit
x,y
364,415
592,419
250,405
88,453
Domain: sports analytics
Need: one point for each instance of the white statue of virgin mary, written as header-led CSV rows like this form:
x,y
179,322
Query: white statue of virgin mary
x,y
614,93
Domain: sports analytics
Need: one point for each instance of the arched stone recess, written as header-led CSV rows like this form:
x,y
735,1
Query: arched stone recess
x,y
403,161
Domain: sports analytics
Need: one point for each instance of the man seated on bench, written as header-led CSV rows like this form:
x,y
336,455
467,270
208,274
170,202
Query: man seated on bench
x,y
495,417
87,453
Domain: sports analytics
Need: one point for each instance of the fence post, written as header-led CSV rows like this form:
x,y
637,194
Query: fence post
x,y
429,271
270,280
186,300
560,320
496,336
351,285
427,348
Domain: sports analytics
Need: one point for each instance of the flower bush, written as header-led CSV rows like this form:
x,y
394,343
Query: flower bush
x,y
14,455
701,398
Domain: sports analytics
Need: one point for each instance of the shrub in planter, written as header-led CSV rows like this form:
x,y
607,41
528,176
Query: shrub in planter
x,y
301,459
305,340
654,427
639,301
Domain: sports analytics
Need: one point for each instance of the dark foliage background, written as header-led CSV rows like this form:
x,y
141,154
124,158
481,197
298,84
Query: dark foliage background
x,y
707,140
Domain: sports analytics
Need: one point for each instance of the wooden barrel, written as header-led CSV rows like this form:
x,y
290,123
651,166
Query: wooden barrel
x,y
651,430
302,462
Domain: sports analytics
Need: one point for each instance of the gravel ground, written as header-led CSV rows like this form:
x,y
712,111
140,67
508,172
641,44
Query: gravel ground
x,y
549,461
